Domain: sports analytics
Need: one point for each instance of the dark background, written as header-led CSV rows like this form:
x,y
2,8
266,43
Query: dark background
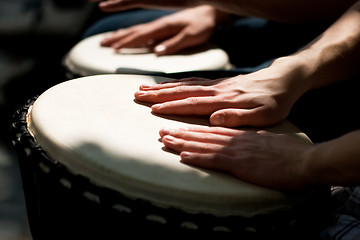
x,y
34,37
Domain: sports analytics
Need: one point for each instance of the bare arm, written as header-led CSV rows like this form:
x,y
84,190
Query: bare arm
x,y
336,161
335,54
279,10
296,11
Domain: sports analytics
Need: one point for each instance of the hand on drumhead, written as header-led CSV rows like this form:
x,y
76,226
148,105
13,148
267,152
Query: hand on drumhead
x,y
169,34
258,99
260,157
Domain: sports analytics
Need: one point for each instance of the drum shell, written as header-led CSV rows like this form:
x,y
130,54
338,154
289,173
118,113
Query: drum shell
x,y
62,205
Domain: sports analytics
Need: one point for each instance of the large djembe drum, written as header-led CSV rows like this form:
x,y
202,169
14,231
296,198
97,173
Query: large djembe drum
x,y
88,57
93,168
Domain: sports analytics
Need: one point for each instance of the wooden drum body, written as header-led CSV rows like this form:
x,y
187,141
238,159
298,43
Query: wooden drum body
x,y
92,165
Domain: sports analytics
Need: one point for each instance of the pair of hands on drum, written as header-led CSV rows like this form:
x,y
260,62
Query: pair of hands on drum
x,y
170,34
258,99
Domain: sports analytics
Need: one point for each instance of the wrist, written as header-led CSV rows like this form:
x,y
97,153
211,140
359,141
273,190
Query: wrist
x,y
293,73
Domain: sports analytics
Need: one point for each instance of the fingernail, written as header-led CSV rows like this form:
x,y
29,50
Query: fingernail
x,y
140,93
156,106
145,86
185,155
160,48
168,138
218,120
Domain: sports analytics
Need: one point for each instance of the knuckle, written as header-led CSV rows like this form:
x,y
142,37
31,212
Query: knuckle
x,y
192,100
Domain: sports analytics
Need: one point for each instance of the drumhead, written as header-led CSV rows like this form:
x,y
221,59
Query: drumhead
x,y
94,127
88,57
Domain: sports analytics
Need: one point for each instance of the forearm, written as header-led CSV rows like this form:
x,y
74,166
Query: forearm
x,y
335,55
336,162
332,57
297,11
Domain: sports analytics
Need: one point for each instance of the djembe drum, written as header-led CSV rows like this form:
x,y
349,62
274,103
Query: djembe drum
x,y
88,57
93,167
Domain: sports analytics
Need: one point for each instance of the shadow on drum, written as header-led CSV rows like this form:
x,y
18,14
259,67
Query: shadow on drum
x,y
62,204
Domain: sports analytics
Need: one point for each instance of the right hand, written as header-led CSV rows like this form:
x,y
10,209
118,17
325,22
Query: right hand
x,y
169,34
257,99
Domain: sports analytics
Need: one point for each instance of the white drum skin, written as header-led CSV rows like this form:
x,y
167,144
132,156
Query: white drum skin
x,y
94,126
88,57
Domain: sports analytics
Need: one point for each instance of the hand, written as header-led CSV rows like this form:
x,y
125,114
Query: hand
x,y
258,99
260,157
120,5
169,34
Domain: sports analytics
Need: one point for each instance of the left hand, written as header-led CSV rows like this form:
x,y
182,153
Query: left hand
x,y
259,157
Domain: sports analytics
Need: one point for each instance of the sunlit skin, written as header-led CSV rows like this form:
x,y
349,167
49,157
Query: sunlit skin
x,y
273,160
265,98
295,11
257,99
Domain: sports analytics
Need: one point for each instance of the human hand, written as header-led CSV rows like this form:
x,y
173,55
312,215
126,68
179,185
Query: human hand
x,y
169,34
261,98
259,157
120,5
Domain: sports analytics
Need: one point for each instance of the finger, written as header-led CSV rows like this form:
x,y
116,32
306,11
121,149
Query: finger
x,y
173,94
147,34
207,130
188,106
179,145
175,44
115,36
214,160
178,82
208,105
117,5
191,80
197,136
137,36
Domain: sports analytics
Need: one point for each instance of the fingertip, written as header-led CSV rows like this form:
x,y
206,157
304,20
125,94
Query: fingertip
x,y
139,94
156,107
144,86
164,131
160,49
185,156
217,119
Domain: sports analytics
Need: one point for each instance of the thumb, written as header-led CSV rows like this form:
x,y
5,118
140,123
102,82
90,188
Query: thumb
x,y
239,117
175,44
